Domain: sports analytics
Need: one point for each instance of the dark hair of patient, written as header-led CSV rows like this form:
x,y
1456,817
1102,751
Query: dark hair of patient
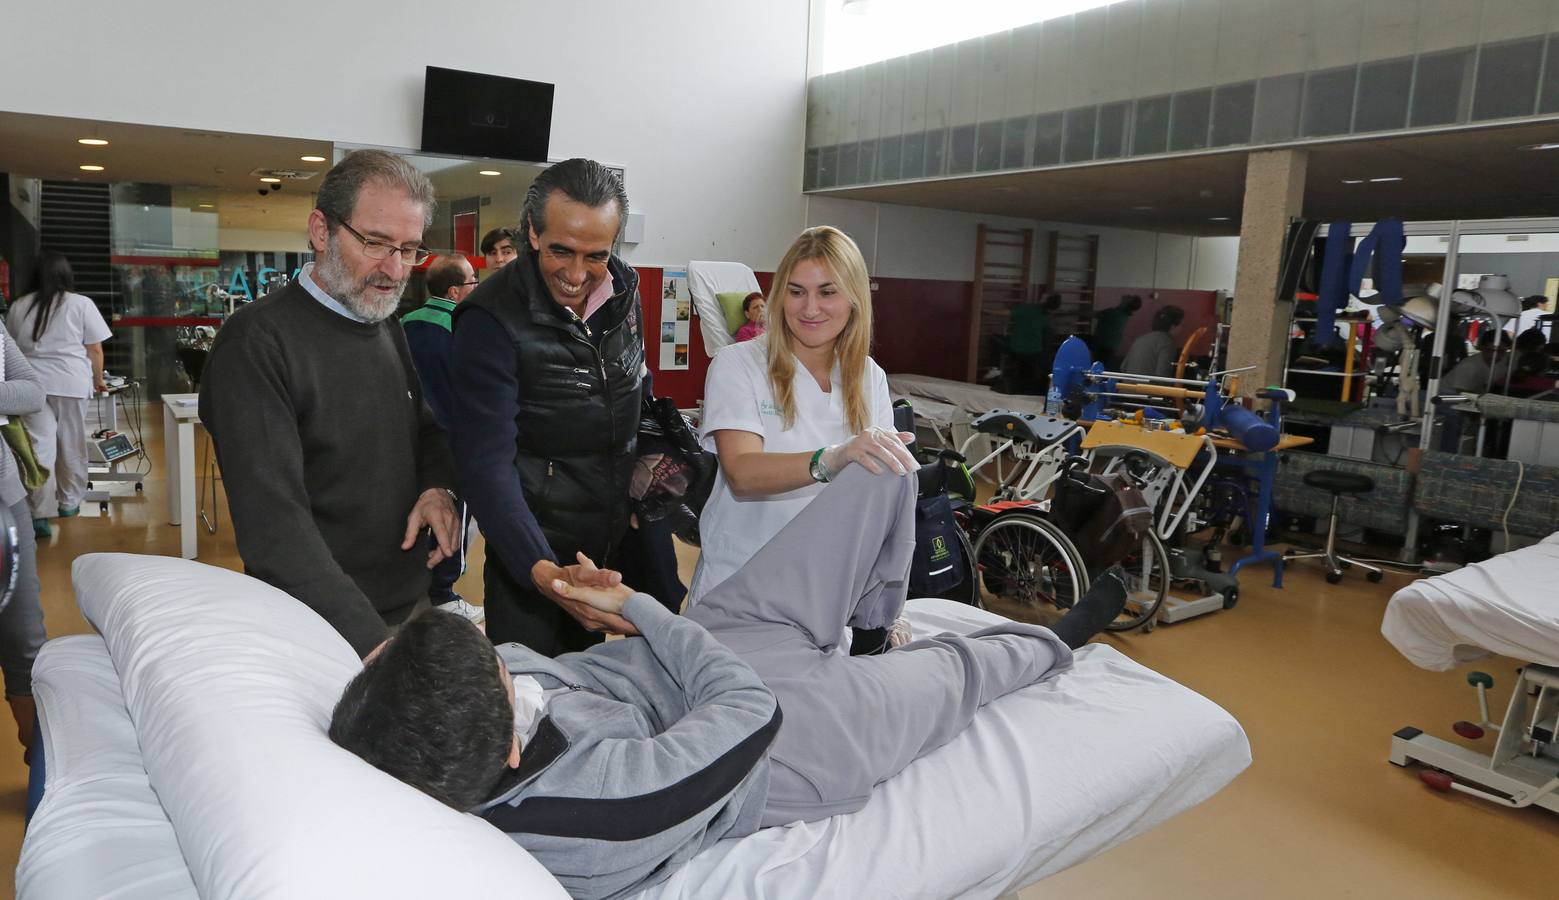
x,y
431,710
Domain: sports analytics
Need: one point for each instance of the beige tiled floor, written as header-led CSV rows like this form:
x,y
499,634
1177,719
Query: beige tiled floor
x,y
1320,813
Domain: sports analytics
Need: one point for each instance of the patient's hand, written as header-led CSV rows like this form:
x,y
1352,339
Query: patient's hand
x,y
585,576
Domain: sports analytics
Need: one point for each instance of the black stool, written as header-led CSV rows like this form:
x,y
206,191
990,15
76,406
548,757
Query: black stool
x,y
1337,484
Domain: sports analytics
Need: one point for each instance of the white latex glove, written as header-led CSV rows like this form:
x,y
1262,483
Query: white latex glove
x,y
877,449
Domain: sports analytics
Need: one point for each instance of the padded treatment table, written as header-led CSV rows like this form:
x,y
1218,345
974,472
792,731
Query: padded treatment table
x,y
975,399
187,756
1506,605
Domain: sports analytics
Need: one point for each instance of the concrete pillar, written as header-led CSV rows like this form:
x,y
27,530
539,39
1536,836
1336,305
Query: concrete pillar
x,y
1274,193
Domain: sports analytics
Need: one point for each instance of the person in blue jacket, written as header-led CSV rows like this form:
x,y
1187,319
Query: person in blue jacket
x,y
430,337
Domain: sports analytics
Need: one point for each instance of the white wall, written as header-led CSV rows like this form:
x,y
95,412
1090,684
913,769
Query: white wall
x,y
701,101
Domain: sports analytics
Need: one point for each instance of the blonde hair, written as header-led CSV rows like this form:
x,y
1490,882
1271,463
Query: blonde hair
x,y
838,254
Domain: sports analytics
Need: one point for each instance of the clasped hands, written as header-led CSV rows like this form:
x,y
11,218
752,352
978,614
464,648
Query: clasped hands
x,y
592,595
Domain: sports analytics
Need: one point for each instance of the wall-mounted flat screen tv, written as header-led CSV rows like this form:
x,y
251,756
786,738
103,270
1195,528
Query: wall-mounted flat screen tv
x,y
471,114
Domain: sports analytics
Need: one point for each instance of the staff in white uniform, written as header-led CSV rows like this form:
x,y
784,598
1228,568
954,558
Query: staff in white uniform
x,y
61,333
788,410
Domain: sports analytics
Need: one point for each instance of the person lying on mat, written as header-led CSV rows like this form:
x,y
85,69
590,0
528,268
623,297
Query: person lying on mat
x,y
615,765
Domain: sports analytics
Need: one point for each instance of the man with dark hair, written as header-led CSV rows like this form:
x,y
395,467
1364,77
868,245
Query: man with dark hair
x,y
549,379
1109,330
500,248
429,335
624,761
332,462
1155,352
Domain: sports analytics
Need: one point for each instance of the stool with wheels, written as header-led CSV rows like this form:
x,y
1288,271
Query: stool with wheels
x,y
1337,484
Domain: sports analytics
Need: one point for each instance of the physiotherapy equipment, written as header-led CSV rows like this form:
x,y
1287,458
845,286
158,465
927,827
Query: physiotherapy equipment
x,y
1249,441
1504,605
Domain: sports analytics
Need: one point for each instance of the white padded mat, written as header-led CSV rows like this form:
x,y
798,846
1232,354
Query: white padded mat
x,y
975,399
1044,779
1507,605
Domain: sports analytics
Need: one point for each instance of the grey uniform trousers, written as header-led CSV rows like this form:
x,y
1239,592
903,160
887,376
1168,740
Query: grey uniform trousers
x,y
851,722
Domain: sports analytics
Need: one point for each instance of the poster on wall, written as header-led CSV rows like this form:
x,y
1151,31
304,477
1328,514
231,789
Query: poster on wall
x,y
676,305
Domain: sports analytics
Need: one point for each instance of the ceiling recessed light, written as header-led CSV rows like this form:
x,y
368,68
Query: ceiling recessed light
x,y
489,172
1539,147
91,168
1219,219
1142,209
271,179
1353,181
92,142
312,158
208,206
1383,180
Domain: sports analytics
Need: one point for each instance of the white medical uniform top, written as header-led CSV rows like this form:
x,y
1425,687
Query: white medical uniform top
x,y
60,357
737,397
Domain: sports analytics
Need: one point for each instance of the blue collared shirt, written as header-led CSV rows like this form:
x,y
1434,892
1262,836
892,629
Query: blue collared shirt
x,y
306,278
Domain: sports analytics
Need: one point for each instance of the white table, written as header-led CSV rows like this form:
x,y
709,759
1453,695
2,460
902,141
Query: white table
x,y
180,413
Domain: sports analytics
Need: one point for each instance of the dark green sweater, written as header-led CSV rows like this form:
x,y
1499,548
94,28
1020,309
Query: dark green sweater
x,y
325,444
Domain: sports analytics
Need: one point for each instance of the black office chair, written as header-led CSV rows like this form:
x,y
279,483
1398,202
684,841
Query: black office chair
x,y
1337,484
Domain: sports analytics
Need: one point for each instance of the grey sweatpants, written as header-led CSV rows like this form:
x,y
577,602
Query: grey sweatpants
x,y
851,722
21,624
59,440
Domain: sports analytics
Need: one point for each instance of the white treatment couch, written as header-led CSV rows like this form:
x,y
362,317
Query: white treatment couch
x,y
1506,605
186,756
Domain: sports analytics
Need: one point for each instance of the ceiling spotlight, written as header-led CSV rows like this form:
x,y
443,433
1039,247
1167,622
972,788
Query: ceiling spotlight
x,y
92,142
91,168
1142,209
1353,181
1539,147
312,158
1218,219
1384,180
489,172
208,206
270,179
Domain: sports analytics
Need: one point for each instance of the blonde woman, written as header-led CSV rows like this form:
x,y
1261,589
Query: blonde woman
x,y
786,412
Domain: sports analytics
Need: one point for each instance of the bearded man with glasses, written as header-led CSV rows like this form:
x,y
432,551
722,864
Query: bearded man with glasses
x,y
337,475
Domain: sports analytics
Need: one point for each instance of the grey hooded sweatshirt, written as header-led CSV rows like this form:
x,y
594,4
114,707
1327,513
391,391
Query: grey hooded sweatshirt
x,y
658,750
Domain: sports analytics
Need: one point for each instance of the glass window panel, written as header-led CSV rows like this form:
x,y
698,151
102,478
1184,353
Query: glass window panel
x,y
1328,105
1111,138
1150,126
1548,98
988,146
1047,139
961,153
936,151
912,161
1078,145
1234,106
1016,150
1507,79
1383,94
888,155
1189,117
1277,108
1439,87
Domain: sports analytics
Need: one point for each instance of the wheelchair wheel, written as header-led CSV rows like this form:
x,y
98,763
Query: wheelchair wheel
x,y
1147,584
1023,558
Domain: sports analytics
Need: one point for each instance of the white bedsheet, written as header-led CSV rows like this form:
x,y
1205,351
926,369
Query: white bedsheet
x,y
975,399
101,815
1044,779
1507,605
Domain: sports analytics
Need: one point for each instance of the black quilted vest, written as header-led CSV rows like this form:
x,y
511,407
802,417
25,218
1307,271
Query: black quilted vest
x,y
579,405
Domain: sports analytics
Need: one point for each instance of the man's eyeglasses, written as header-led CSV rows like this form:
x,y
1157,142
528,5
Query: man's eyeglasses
x,y
411,256
469,283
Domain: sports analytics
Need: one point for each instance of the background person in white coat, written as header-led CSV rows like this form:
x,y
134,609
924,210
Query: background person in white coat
x,y
61,333
787,411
